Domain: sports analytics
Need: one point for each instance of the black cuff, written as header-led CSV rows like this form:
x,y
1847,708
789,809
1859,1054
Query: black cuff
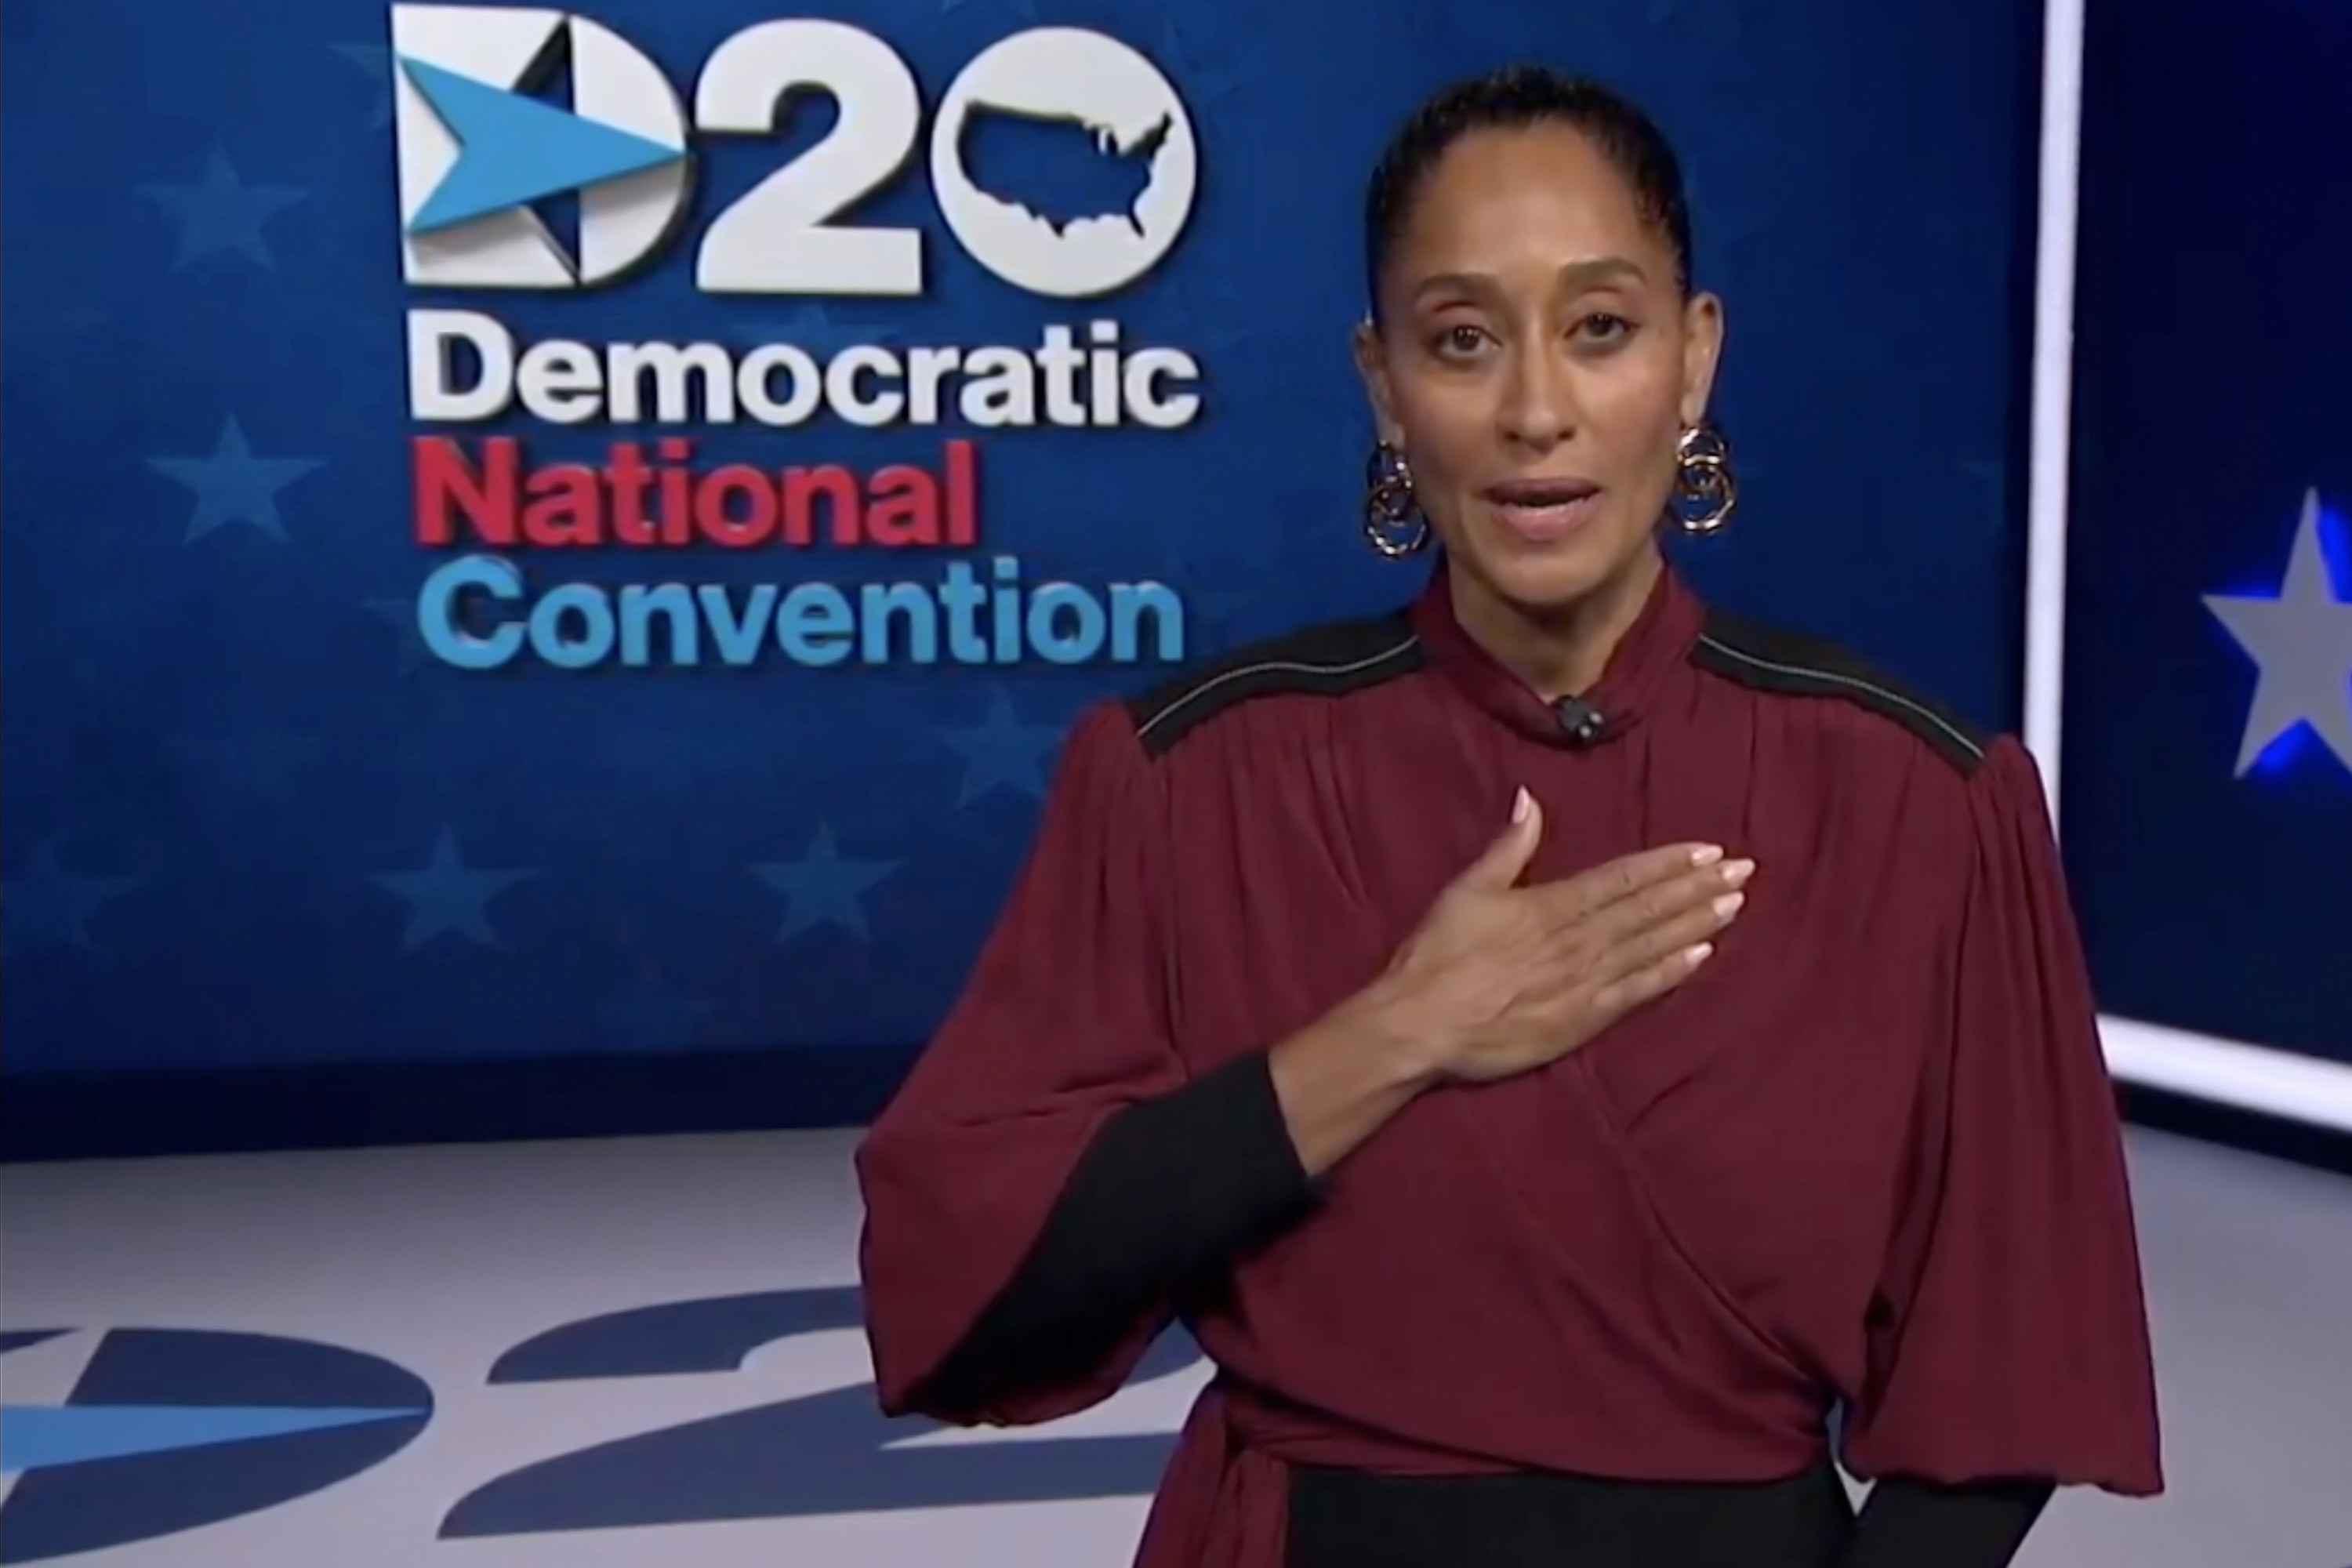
x,y
1908,1523
1162,1200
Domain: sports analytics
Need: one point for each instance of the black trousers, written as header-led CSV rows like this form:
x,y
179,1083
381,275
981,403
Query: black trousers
x,y
1347,1519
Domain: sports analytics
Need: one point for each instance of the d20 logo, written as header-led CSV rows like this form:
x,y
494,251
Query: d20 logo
x,y
1063,161
165,1430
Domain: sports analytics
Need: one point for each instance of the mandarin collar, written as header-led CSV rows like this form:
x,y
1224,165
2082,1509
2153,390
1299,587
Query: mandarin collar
x,y
1641,670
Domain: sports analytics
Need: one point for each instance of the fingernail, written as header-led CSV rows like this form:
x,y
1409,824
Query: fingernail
x,y
1707,854
1698,956
1738,872
1728,905
1522,805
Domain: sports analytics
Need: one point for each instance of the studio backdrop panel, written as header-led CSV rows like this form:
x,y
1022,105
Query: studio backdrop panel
x,y
2208,715
573,537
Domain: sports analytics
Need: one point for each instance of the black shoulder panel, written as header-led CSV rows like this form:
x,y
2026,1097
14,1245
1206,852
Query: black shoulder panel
x,y
1328,660
1771,659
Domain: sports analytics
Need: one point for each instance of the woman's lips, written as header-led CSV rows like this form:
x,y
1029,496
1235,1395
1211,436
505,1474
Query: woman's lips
x,y
1543,511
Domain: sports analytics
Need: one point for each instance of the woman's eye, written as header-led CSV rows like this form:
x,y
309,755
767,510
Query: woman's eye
x,y
1460,340
1604,328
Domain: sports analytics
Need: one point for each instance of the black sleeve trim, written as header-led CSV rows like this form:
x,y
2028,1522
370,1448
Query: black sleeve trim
x,y
1328,660
1908,1523
1169,1190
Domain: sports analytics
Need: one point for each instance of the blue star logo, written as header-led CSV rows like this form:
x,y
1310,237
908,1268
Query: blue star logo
x,y
1002,752
234,486
822,889
47,906
448,896
513,150
219,214
373,62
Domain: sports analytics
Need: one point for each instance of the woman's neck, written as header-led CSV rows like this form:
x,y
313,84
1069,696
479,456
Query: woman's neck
x,y
1559,651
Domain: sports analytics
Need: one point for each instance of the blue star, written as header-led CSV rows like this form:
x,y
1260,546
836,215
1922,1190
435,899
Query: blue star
x,y
46,907
220,213
1001,750
375,61
448,896
1201,85
408,642
234,486
823,888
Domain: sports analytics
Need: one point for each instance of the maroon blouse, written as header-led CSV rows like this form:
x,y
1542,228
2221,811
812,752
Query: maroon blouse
x,y
1868,1156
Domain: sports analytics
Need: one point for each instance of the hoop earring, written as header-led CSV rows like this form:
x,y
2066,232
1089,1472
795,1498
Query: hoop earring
x,y
1705,491
1393,520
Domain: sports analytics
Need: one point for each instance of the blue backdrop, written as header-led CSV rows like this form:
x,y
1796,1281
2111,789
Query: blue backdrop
x,y
261,835
2207,762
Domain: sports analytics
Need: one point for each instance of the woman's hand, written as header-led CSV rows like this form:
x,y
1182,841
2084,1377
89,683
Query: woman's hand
x,y
1500,978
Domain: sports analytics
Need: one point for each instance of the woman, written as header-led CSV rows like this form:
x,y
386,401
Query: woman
x,y
1553,1045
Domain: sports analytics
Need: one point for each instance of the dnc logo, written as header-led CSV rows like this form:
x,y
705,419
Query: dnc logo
x,y
161,1430
1111,162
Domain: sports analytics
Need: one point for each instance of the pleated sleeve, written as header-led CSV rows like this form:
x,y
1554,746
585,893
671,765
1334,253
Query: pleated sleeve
x,y
2009,1333
1051,1180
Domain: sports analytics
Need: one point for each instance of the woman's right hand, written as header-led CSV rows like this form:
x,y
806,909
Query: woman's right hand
x,y
1499,978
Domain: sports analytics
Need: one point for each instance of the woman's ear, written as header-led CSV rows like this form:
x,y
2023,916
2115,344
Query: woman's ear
x,y
1371,364
1702,352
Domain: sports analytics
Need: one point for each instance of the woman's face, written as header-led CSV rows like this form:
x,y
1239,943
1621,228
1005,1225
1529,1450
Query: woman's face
x,y
1537,362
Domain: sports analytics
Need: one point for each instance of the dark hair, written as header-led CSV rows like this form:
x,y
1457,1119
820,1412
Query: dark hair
x,y
1515,99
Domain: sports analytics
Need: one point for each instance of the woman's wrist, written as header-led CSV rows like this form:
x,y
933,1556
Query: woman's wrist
x,y
1340,1078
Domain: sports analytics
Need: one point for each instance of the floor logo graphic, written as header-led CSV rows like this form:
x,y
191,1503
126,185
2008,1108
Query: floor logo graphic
x,y
827,1453
1112,153
167,1429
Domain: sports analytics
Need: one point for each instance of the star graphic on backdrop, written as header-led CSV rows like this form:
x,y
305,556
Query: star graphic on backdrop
x,y
234,486
448,896
408,642
221,213
374,61
1001,750
1202,84
823,888
2302,640
44,906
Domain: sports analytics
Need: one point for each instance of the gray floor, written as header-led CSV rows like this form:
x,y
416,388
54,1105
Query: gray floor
x,y
440,1260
